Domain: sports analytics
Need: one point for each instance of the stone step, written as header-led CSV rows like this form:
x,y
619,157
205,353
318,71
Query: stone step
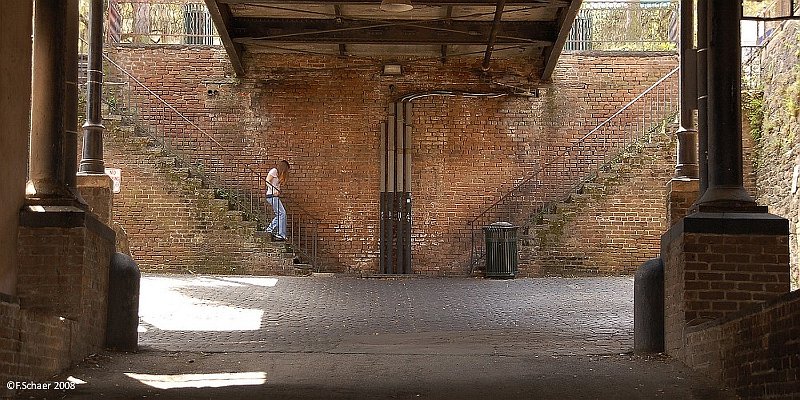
x,y
551,217
236,216
220,204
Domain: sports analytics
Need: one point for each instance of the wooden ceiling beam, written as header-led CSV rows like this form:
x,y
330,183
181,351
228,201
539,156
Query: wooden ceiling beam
x,y
566,17
554,3
221,15
249,30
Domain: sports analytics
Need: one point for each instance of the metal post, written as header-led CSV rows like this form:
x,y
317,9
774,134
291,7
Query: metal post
x,y
71,99
48,89
702,94
92,161
725,180
686,166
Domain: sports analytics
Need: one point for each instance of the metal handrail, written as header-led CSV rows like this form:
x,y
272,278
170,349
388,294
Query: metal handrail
x,y
537,190
303,231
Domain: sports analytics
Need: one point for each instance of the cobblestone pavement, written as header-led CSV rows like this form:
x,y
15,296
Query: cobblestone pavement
x,y
334,337
353,315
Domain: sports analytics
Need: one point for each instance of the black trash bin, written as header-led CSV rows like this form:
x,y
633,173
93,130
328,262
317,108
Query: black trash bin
x,y
501,250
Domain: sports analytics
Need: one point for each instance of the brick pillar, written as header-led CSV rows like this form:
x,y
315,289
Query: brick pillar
x,y
719,263
681,194
96,190
65,254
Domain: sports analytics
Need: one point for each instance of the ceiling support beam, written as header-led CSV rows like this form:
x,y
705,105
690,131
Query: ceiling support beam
x,y
552,3
498,15
448,15
221,15
342,47
566,18
330,31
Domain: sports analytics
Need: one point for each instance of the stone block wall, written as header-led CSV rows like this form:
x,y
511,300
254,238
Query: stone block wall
x,y
775,124
324,117
756,351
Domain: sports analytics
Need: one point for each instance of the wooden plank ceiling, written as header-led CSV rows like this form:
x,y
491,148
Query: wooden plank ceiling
x,y
432,29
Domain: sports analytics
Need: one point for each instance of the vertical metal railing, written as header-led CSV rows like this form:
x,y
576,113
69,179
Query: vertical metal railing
x,y
219,165
163,22
571,166
624,25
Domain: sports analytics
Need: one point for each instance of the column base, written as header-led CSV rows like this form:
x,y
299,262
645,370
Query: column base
x,y
681,195
716,264
96,189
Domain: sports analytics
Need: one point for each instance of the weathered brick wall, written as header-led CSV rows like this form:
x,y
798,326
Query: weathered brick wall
x,y
176,225
60,314
755,352
711,275
613,227
34,344
778,134
324,116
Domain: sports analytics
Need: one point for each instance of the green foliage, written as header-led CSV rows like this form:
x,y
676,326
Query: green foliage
x,y
753,105
632,27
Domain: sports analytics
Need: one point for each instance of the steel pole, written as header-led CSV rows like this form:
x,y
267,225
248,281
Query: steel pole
x,y
92,161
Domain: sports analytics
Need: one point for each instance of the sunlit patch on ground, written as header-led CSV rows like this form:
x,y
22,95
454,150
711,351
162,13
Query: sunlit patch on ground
x,y
165,305
201,380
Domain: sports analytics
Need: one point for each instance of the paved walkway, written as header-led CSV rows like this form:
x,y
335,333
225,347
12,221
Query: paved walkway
x,y
344,337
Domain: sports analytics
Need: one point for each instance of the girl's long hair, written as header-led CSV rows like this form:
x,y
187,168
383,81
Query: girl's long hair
x,y
283,171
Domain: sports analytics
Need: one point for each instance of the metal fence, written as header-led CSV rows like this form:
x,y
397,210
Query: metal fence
x,y
625,25
160,22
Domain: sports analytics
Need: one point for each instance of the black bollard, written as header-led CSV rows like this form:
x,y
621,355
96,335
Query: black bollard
x,y
122,325
648,307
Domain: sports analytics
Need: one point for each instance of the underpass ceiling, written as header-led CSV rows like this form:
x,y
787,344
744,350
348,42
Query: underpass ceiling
x,y
447,29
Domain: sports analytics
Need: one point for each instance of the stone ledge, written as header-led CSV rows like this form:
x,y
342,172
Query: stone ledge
x,y
63,217
7,298
730,224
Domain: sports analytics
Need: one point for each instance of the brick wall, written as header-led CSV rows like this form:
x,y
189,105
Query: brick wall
x,y
174,223
616,224
756,352
60,314
778,131
325,117
34,344
710,274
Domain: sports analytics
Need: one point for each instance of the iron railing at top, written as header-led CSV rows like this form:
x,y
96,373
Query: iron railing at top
x,y
632,25
168,22
219,164
557,177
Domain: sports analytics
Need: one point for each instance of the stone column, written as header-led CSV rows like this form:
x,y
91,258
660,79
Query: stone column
x,y
683,189
46,172
702,94
71,100
686,166
726,190
729,254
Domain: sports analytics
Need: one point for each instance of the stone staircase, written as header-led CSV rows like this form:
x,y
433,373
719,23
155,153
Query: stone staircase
x,y
540,240
176,223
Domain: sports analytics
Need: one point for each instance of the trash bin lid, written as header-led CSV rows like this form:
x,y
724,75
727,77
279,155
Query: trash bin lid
x,y
501,224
